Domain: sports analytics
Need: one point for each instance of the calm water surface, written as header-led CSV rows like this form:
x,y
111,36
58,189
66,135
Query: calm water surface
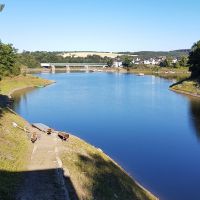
x,y
152,132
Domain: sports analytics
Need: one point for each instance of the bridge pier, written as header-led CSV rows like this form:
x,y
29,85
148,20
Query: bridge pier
x,y
53,69
67,68
86,68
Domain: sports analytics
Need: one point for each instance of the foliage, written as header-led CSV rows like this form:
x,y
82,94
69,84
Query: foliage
x,y
127,62
167,62
150,54
8,60
176,65
33,59
183,61
194,60
109,62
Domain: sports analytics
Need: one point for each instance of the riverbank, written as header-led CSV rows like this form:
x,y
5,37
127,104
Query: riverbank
x,y
188,87
10,85
90,172
15,144
163,72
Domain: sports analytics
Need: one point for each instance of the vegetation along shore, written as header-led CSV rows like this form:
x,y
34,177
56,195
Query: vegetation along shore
x,y
58,169
191,85
86,172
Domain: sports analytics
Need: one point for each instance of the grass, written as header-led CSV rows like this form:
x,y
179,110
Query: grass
x,y
96,176
168,73
8,84
92,173
14,152
188,86
15,148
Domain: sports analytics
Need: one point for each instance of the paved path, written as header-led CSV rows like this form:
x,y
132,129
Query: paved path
x,y
44,179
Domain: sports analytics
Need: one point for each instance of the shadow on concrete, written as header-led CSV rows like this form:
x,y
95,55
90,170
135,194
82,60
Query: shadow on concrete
x,y
33,185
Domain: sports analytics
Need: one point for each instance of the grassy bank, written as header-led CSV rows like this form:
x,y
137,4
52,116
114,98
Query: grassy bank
x,y
15,147
93,174
164,72
188,86
8,85
96,176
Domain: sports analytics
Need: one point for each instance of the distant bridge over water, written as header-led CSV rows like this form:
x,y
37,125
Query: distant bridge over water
x,y
67,66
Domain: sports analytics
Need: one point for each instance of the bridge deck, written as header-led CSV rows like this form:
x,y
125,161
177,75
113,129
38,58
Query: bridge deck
x,y
73,64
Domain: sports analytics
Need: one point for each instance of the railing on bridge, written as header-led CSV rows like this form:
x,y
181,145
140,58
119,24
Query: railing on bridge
x,y
86,65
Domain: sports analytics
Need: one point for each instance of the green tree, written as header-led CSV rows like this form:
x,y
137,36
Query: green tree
x,y
167,62
109,62
8,60
176,65
194,60
127,62
183,61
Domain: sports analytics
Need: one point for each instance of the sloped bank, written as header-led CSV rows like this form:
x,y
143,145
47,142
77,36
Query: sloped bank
x,y
188,87
15,147
92,173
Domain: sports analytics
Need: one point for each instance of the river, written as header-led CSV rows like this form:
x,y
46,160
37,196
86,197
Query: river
x,y
150,131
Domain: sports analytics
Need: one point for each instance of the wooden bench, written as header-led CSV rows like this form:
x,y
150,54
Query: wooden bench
x,y
63,135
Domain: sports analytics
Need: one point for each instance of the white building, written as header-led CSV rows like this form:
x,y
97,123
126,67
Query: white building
x,y
174,60
117,64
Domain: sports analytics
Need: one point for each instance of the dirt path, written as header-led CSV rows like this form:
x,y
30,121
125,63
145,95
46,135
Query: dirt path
x,y
44,178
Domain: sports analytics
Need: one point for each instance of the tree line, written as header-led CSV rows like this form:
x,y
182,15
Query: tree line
x,y
11,61
33,59
9,64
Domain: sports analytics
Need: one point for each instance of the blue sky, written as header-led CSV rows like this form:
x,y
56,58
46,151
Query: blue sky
x,y
101,25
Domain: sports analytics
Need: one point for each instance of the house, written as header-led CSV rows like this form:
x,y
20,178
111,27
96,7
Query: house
x,y
175,60
117,64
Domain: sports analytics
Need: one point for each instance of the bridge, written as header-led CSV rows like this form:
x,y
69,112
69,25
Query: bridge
x,y
67,66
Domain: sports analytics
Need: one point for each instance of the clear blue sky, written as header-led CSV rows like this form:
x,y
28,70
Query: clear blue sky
x,y
101,25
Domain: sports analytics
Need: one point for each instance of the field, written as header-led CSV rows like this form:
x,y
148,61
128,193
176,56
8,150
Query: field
x,y
85,54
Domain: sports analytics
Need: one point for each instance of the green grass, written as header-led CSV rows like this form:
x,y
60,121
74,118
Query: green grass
x,y
14,151
15,148
8,84
190,86
96,176
168,73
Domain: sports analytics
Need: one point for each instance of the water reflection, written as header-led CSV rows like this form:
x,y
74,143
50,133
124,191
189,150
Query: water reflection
x,y
195,115
141,124
21,96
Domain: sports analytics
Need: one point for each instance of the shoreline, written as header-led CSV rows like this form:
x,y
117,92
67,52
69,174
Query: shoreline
x,y
184,92
9,95
27,87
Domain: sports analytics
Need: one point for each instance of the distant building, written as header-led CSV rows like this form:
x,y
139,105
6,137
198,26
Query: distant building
x,y
147,62
117,64
175,60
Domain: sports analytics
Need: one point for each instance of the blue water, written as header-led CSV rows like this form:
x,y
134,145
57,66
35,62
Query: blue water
x,y
151,131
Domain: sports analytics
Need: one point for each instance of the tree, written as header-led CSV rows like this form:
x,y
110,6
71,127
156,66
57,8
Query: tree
x,y
2,7
127,62
194,60
8,60
176,65
183,61
109,62
167,62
